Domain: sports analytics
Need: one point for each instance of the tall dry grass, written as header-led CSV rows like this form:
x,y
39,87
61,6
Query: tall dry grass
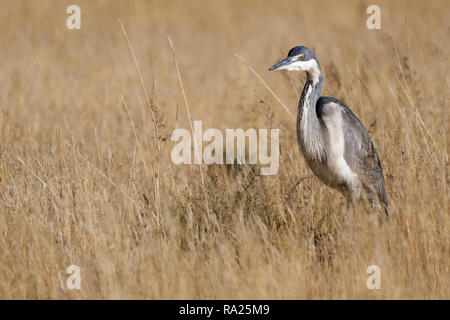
x,y
85,170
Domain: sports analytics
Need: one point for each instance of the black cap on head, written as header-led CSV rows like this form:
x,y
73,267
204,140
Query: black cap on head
x,y
308,54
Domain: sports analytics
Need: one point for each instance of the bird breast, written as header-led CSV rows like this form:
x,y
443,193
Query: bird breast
x,y
324,148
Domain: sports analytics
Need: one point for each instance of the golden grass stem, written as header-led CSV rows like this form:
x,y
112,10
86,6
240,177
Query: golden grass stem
x,y
134,131
138,69
155,125
265,84
172,47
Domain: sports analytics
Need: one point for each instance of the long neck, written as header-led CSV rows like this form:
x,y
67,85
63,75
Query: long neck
x,y
308,126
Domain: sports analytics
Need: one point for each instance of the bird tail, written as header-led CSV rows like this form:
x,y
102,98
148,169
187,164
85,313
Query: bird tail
x,y
378,190
384,200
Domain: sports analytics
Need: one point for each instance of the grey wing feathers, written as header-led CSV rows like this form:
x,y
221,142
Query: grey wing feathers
x,y
360,153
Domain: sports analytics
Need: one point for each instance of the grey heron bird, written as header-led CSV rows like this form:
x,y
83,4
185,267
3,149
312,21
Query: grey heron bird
x,y
331,138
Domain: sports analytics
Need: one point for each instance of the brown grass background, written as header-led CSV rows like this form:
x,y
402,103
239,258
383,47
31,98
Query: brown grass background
x,y
78,186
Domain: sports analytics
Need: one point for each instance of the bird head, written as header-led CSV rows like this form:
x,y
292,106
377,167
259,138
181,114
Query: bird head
x,y
300,59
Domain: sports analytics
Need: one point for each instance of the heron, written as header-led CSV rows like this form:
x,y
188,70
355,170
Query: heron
x,y
333,141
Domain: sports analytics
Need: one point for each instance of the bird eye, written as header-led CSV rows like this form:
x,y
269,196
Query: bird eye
x,y
300,57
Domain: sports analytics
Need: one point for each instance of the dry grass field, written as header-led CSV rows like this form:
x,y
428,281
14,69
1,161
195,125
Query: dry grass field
x,y
87,180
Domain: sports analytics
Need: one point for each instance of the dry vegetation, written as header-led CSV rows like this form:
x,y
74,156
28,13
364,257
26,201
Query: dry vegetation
x,y
84,181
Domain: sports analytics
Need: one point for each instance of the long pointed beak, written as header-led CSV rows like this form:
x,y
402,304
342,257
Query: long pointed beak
x,y
280,64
